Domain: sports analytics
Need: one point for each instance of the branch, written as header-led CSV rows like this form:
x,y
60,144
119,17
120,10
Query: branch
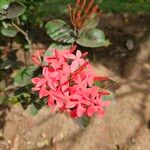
x,y
12,87
25,35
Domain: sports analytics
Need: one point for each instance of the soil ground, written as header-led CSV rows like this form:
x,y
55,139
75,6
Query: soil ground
x,y
126,125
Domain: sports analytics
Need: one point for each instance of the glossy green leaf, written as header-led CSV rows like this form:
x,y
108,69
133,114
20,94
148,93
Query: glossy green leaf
x,y
54,25
92,38
14,10
91,22
59,31
82,121
9,32
110,85
33,109
36,105
24,75
107,84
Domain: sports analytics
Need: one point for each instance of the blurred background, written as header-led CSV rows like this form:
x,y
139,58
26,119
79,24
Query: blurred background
x,y
126,125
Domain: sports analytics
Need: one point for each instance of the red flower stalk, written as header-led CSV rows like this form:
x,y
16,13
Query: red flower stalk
x,y
83,11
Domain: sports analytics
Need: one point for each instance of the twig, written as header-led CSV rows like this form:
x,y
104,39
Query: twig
x,y
25,35
11,88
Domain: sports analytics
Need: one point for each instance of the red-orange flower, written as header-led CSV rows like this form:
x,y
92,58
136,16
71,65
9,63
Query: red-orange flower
x,y
67,82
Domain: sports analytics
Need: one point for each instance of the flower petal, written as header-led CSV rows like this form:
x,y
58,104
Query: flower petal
x,y
78,54
36,61
86,102
101,113
70,56
75,97
41,82
54,74
74,66
35,89
35,80
91,110
59,104
73,113
50,84
81,61
50,101
80,110
71,104
90,81
65,87
45,72
43,92
94,92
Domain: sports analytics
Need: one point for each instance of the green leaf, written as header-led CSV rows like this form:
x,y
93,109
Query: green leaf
x,y
59,46
2,99
26,46
59,31
14,10
107,84
48,52
91,22
36,104
9,32
4,4
82,121
5,24
2,85
92,38
22,98
110,97
24,75
97,83
6,64
54,25
13,100
33,109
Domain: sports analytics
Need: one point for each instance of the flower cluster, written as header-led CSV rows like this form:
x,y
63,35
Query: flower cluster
x,y
67,81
